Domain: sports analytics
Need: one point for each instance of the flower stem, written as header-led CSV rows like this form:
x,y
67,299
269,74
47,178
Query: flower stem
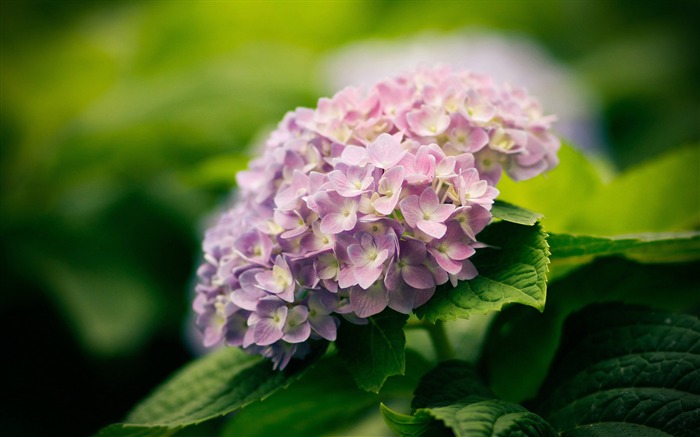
x,y
438,335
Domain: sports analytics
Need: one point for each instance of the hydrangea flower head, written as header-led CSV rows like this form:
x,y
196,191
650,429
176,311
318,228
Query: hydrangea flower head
x,y
370,201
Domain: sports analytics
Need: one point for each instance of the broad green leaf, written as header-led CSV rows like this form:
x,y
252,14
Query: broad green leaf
x,y
625,364
420,424
519,334
473,416
614,429
328,399
661,247
513,270
326,402
492,417
661,195
514,214
212,386
374,351
447,383
453,394
557,193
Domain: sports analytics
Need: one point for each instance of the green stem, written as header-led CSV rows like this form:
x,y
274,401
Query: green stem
x,y
438,334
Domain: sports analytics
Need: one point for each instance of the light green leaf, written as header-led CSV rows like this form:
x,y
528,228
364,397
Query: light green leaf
x,y
374,351
625,364
514,214
212,386
661,195
557,193
513,270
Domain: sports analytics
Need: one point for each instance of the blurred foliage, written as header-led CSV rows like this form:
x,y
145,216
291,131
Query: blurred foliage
x,y
122,125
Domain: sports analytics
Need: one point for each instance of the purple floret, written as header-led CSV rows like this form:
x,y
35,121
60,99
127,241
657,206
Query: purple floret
x,y
370,201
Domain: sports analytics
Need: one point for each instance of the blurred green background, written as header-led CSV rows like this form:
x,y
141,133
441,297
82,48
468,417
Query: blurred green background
x,y
123,123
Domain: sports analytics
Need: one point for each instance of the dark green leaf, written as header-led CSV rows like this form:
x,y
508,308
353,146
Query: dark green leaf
x,y
492,417
212,386
453,395
473,416
447,383
661,247
621,363
326,402
519,334
614,429
374,351
420,424
514,214
514,270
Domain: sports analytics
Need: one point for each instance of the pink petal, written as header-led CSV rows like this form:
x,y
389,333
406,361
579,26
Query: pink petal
x,y
429,200
367,275
410,208
333,223
368,302
450,265
346,278
325,326
434,229
392,277
386,205
267,332
402,300
442,212
297,334
413,252
357,255
385,151
418,276
459,251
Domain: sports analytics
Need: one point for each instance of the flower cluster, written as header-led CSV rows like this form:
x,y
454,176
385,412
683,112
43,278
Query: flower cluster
x,y
367,202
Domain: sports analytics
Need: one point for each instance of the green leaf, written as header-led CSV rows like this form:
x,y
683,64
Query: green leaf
x,y
326,402
212,386
453,394
514,214
420,424
514,270
625,364
661,195
492,417
447,383
557,193
519,334
659,247
614,429
374,351
473,416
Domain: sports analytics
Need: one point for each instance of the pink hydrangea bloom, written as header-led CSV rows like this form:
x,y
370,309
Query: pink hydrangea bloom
x,y
370,201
